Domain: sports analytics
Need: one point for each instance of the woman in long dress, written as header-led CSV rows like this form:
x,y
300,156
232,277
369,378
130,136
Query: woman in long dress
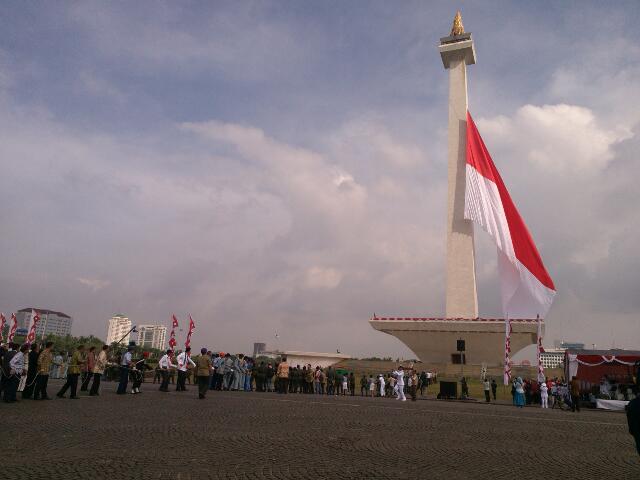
x,y
519,398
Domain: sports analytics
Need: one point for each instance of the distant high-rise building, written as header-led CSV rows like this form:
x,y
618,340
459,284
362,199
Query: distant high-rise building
x,y
258,348
119,325
152,336
56,323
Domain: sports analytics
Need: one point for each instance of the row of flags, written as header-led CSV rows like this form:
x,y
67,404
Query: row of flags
x,y
172,335
14,327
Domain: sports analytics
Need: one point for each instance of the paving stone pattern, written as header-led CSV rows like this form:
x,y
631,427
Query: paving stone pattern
x,y
238,435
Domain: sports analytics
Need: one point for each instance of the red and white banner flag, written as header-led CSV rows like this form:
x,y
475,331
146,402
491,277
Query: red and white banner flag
x,y
172,337
14,327
527,288
192,327
507,352
3,321
35,318
540,352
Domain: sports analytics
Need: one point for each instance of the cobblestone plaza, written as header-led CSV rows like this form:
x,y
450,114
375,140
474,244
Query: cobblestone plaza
x,y
238,435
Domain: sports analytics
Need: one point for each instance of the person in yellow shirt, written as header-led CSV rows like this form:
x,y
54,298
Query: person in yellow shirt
x,y
45,359
283,376
78,359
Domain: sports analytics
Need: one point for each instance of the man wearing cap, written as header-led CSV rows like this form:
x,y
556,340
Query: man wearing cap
x,y
126,363
184,360
399,375
203,370
164,365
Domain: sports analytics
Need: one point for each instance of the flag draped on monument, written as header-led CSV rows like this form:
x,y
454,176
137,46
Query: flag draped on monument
x,y
526,287
35,318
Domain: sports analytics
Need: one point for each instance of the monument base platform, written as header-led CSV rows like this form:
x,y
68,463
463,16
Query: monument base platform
x,y
435,339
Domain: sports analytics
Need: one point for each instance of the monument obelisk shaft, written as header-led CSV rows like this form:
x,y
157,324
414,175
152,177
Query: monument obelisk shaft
x,y
457,52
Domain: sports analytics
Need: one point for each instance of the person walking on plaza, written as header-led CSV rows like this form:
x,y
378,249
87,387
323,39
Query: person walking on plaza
x,y
32,371
45,359
544,395
486,385
413,385
399,376
165,364
88,373
126,363
494,388
575,394
140,367
283,376
98,370
16,372
73,372
633,419
382,385
203,370
57,366
184,362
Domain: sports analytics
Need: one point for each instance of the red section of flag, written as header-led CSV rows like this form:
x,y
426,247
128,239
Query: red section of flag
x,y
14,327
525,250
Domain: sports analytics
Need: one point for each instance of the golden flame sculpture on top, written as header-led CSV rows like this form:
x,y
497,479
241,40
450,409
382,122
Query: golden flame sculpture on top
x,y
458,28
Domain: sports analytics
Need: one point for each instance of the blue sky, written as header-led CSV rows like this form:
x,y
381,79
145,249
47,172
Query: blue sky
x,y
281,166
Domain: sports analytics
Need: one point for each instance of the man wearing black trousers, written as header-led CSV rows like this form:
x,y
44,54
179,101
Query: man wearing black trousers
x,y
125,364
73,372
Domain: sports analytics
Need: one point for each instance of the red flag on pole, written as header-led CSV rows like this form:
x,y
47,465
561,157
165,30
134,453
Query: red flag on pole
x,y
172,337
35,318
14,327
3,321
192,327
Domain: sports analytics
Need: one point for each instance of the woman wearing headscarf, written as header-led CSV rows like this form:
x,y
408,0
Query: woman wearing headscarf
x,y
519,397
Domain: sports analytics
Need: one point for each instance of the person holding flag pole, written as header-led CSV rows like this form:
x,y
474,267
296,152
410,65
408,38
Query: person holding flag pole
x,y
184,359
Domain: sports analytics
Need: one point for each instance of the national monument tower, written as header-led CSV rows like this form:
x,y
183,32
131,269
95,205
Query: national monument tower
x,y
434,339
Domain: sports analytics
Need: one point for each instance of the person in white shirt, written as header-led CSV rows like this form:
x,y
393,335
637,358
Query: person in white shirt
x,y
16,371
544,395
184,360
399,375
165,364
382,384
125,364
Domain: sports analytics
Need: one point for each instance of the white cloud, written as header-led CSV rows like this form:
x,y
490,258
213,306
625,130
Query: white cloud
x,y
560,138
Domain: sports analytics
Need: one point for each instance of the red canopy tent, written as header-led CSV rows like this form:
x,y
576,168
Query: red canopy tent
x,y
590,366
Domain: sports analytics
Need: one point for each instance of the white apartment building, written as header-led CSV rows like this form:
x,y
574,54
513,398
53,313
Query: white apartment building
x,y
552,357
51,322
119,325
152,336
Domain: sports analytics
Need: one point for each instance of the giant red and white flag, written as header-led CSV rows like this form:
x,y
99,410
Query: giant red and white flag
x,y
526,287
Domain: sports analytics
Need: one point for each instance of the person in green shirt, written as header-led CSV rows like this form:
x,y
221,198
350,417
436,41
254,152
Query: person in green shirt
x,y
78,359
